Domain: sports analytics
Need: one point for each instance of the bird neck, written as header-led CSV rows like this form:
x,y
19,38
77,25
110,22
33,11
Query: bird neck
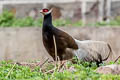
x,y
47,22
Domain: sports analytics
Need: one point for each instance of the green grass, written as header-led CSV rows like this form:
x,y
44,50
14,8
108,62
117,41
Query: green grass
x,y
82,71
7,19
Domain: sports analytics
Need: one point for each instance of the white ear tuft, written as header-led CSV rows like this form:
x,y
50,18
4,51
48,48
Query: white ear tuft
x,y
49,11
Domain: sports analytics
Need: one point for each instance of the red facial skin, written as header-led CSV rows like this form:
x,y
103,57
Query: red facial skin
x,y
45,10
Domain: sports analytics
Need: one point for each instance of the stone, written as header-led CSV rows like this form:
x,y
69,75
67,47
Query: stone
x,y
109,69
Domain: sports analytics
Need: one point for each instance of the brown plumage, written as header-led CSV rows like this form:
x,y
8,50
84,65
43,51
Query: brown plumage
x,y
63,40
91,51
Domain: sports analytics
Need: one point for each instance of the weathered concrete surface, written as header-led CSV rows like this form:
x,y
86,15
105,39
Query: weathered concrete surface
x,y
21,44
25,44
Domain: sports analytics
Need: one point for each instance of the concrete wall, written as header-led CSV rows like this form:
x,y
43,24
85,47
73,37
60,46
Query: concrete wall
x,y
67,10
70,9
21,44
25,44
115,9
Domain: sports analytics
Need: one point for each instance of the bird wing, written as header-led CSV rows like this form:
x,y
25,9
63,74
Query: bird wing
x,y
68,40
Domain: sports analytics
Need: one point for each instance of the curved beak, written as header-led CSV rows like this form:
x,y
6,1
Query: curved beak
x,y
41,11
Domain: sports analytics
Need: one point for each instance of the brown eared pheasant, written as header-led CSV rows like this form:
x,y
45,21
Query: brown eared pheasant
x,y
88,50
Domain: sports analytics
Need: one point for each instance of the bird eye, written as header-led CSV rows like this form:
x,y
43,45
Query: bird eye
x,y
45,10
